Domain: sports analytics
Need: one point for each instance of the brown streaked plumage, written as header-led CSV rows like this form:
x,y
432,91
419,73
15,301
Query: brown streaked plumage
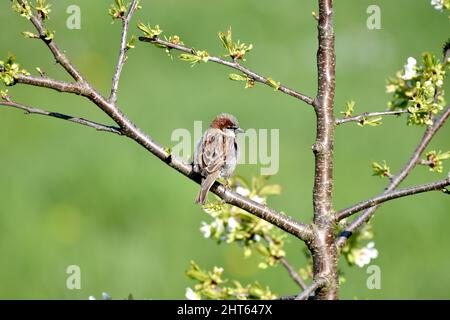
x,y
216,153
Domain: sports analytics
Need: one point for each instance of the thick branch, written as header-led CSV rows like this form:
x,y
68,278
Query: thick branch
x,y
84,122
234,65
430,132
123,50
282,221
130,130
364,115
317,284
438,185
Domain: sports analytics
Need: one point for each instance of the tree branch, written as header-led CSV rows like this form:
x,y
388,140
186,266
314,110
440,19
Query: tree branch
x,y
231,64
290,269
430,132
130,130
361,117
438,185
317,284
84,122
123,50
79,88
323,251
294,275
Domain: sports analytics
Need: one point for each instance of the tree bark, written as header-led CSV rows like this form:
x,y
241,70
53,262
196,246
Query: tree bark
x,y
325,256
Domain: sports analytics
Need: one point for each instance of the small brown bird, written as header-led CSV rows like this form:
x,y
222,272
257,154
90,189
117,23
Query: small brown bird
x,y
216,152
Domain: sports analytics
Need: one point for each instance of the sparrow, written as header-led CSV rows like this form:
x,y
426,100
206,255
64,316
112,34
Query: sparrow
x,y
216,152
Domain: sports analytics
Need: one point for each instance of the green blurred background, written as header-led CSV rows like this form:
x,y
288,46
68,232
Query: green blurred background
x,y
72,196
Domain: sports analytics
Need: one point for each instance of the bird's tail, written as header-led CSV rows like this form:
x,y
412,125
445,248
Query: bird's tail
x,y
206,185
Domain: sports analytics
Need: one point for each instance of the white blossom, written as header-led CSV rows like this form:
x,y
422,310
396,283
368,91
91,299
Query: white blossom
x,y
210,210
439,83
258,199
205,229
364,255
242,191
410,71
257,238
218,270
218,226
192,295
437,4
232,224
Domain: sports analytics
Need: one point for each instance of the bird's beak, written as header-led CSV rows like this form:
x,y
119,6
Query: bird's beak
x,y
239,130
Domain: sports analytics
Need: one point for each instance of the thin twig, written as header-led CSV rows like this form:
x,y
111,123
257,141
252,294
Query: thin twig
x,y
123,50
234,65
423,162
294,275
438,185
364,115
57,53
84,122
430,132
317,284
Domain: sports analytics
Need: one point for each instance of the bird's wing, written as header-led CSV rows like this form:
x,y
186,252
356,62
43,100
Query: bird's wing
x,y
213,151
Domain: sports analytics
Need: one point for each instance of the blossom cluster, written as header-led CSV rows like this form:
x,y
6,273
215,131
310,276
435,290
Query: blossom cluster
x,y
211,285
230,224
419,89
358,253
440,5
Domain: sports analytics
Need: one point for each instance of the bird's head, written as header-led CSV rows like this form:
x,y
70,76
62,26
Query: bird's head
x,y
226,122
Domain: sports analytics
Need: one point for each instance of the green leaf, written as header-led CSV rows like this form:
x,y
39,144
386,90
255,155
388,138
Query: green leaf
x,y
149,32
270,190
249,82
381,170
196,273
23,9
226,39
373,121
237,50
132,43
117,10
237,77
434,160
350,108
4,94
43,9
48,35
273,84
199,56
30,35
10,70
262,265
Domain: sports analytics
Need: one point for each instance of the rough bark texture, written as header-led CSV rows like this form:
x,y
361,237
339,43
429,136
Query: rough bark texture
x,y
324,251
